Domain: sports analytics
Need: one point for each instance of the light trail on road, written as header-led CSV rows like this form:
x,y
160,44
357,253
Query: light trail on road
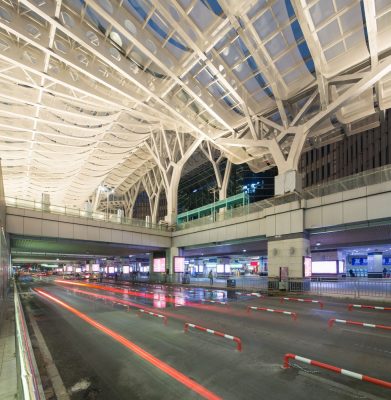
x,y
161,365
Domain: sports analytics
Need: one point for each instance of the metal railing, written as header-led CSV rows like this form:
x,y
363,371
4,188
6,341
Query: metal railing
x,y
349,287
362,179
239,211
79,213
352,287
29,380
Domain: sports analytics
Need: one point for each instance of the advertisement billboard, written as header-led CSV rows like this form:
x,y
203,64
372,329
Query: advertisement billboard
x,y
307,265
159,265
324,267
95,268
179,264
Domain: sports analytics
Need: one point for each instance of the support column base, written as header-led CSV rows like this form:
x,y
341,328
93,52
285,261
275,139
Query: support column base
x,y
287,182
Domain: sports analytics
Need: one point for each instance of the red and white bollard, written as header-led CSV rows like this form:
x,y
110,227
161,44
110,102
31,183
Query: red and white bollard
x,y
357,323
292,314
301,300
154,315
351,306
338,370
216,333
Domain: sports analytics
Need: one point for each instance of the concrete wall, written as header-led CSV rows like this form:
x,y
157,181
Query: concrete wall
x,y
357,205
38,223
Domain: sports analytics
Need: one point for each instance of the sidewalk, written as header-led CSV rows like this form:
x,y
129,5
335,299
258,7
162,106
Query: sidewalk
x,y
8,368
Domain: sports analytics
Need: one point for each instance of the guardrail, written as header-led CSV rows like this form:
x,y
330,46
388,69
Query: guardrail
x,y
349,287
302,300
236,339
29,378
357,323
292,314
354,287
79,213
367,307
142,311
338,370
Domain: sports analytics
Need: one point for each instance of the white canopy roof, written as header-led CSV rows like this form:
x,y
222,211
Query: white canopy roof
x,y
84,84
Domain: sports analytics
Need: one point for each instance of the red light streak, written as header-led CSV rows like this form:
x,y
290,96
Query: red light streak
x,y
114,290
130,304
150,296
186,381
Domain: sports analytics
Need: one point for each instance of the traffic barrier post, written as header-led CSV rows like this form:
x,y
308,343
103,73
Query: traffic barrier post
x,y
321,304
332,368
237,340
357,323
351,306
292,314
154,315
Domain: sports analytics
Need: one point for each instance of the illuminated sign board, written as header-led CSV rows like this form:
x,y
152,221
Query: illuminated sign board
x,y
179,264
324,267
220,268
95,267
307,267
159,265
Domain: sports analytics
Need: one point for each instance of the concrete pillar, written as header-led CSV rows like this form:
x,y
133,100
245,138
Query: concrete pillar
x,y
172,196
170,254
151,273
289,253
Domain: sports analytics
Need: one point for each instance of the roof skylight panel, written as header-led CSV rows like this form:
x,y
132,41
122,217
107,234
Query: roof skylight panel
x,y
202,15
254,10
230,55
340,32
96,21
139,8
242,71
156,24
383,23
204,77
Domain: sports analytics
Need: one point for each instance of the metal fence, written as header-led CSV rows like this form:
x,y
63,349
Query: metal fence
x,y
348,287
352,287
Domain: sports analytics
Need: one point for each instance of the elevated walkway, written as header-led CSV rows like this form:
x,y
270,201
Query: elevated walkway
x,y
356,201
31,219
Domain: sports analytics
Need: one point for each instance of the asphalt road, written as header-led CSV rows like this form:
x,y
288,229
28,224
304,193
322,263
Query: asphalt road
x,y
103,368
